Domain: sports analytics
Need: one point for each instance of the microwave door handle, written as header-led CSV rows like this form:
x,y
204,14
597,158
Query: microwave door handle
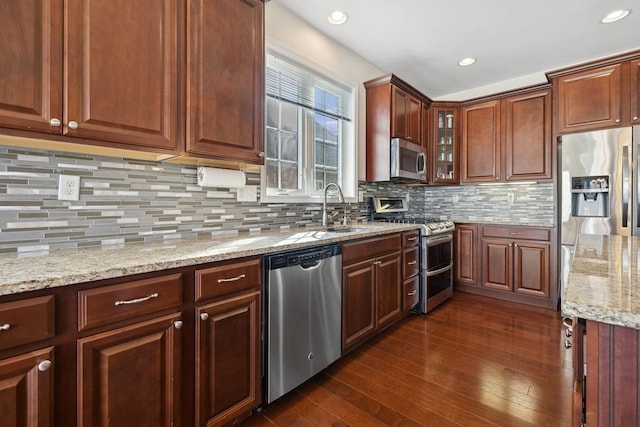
x,y
424,163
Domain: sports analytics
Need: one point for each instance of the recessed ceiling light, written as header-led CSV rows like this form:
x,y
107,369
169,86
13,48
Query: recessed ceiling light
x,y
616,15
338,17
466,61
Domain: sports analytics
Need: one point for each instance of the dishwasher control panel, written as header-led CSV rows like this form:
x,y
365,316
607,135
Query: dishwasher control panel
x,y
298,257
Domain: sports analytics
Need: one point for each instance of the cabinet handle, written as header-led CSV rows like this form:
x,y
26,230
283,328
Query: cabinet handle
x,y
568,344
617,120
204,316
54,122
568,332
377,262
178,324
44,365
513,233
635,118
5,327
72,125
412,293
412,239
412,262
137,300
232,279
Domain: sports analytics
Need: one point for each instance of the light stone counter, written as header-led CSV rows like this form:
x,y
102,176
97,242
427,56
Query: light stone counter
x,y
604,280
33,271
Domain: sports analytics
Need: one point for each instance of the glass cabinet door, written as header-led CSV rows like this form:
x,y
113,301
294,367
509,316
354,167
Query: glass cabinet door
x,y
444,154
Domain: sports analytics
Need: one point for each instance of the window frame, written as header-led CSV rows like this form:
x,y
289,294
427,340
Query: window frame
x,y
347,170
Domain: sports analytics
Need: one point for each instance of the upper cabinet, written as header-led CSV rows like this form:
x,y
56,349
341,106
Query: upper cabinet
x,y
597,95
394,110
508,138
110,75
443,143
225,86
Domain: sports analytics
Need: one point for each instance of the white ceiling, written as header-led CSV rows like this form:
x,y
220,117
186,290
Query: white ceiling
x,y
515,41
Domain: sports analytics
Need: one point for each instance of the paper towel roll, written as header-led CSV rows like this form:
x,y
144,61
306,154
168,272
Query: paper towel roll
x,y
215,177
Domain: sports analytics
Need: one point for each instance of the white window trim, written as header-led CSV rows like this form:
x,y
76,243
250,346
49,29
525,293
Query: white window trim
x,y
349,169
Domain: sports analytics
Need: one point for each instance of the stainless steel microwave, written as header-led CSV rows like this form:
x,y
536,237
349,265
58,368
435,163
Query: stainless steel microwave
x,y
408,161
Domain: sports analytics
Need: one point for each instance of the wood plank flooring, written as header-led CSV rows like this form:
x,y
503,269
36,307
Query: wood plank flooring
x,y
474,361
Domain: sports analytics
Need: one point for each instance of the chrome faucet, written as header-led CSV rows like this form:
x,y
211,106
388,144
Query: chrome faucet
x,y
325,218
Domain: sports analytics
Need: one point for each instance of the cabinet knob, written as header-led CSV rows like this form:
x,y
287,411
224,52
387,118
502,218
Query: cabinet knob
x,y
617,120
54,122
177,324
635,118
412,293
414,262
204,316
72,125
5,327
44,365
568,344
261,154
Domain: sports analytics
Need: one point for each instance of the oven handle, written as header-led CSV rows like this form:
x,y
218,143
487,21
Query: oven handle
x,y
433,240
440,270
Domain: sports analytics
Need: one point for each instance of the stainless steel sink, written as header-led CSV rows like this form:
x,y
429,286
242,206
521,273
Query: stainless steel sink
x,y
344,229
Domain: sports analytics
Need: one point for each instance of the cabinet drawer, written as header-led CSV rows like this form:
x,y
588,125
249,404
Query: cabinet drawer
x,y
410,294
526,233
228,278
370,248
410,238
23,322
410,262
113,303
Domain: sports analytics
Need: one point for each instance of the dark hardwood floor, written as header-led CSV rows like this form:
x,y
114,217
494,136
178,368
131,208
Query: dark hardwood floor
x,y
473,361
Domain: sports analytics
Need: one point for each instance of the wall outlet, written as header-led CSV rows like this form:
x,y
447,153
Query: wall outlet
x,y
360,196
68,187
455,198
510,198
247,194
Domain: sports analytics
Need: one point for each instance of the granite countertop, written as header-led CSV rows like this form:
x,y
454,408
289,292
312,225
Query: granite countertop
x,y
33,271
604,280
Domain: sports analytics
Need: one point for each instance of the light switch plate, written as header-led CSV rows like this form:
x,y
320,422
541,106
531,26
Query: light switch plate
x,y
69,187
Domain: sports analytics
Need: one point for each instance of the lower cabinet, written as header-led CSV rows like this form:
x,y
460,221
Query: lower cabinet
x,y
371,287
26,389
131,375
509,262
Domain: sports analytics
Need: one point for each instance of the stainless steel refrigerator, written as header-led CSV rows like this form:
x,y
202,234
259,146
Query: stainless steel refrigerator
x,y
599,187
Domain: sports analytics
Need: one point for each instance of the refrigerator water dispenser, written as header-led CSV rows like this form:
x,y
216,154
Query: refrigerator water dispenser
x,y
590,196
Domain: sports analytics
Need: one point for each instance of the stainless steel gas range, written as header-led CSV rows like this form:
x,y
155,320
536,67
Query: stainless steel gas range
x,y
436,249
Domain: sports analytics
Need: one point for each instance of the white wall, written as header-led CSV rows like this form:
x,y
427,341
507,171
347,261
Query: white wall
x,y
289,34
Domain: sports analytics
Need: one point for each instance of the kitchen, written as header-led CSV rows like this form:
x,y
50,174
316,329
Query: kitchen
x,y
124,201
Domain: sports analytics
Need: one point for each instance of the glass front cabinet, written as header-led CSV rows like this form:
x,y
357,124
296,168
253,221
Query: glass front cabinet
x,y
444,145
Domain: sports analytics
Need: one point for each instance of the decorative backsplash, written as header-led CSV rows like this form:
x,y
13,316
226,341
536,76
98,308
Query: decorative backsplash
x,y
123,201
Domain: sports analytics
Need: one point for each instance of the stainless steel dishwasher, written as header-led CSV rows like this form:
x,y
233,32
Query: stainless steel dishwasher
x,y
303,315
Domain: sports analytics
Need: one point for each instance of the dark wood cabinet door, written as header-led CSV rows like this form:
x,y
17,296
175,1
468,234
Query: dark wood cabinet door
x,y
590,99
414,120
635,92
225,87
399,113
497,264
31,58
26,389
358,303
527,140
466,255
389,288
228,359
121,71
480,148
131,376
531,268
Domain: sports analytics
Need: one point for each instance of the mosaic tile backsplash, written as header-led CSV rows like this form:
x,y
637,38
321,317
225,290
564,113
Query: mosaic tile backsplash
x,y
124,201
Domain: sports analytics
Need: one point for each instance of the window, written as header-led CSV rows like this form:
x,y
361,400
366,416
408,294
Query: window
x,y
309,140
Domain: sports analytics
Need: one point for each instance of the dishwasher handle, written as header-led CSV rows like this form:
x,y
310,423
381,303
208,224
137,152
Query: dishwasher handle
x,y
307,259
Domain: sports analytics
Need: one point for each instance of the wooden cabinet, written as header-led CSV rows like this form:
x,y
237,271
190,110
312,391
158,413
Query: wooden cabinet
x,y
394,109
516,259
26,374
371,287
228,351
406,113
130,374
410,269
597,95
225,87
120,70
507,139
466,255
443,143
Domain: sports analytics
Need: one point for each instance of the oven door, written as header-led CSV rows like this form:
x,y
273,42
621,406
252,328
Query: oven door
x,y
437,251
